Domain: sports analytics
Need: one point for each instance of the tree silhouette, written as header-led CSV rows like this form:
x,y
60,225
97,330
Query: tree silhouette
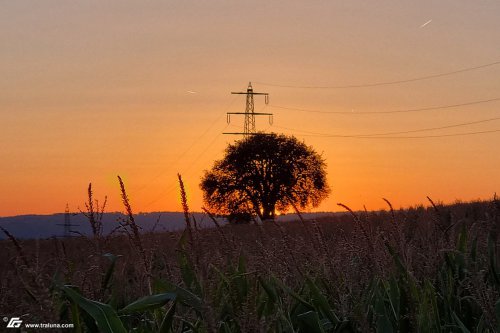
x,y
264,173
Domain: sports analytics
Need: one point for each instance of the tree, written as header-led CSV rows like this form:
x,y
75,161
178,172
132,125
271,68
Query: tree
x,y
263,173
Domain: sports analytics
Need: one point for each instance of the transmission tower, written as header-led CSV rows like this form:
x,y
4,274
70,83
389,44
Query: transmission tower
x,y
249,124
67,223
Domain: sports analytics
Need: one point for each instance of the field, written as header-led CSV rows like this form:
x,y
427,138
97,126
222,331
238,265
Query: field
x,y
421,269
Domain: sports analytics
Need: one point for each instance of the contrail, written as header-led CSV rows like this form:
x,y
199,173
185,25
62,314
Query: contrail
x,y
423,25
191,92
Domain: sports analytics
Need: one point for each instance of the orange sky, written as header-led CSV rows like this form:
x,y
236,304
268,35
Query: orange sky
x,y
93,89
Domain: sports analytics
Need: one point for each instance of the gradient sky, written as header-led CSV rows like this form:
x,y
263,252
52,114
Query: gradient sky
x,y
93,89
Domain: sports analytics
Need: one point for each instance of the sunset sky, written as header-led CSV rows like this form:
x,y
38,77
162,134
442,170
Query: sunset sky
x,y
94,89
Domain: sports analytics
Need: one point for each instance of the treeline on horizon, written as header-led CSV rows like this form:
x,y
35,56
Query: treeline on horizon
x,y
31,226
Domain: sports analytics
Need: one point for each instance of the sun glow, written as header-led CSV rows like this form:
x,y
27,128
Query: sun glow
x,y
144,94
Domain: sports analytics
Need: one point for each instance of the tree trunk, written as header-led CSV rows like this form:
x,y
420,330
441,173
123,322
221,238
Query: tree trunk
x,y
268,212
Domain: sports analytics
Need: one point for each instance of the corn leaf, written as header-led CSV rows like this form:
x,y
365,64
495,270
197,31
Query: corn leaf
x,y
166,325
310,321
104,315
149,303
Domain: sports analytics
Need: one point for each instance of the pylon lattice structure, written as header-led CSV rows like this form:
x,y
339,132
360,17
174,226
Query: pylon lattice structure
x,y
68,232
249,123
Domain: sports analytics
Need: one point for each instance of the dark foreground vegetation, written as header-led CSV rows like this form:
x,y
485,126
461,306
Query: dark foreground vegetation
x,y
416,270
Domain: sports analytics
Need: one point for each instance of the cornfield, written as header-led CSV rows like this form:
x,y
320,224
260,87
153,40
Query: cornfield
x,y
418,269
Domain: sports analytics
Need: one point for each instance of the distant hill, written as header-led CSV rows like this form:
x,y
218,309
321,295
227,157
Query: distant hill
x,y
46,226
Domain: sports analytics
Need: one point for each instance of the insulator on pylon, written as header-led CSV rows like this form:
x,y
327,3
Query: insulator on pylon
x,y
250,114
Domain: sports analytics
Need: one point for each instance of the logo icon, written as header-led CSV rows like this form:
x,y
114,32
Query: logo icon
x,y
15,322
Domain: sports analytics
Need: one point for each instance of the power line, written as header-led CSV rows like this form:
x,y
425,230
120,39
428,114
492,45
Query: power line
x,y
173,186
403,137
385,83
440,127
433,136
381,135
448,106
408,131
187,150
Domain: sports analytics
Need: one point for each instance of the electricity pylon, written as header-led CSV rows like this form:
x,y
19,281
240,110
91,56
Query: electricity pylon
x,y
249,124
68,232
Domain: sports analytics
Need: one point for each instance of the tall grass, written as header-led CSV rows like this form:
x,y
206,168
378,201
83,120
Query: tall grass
x,y
411,270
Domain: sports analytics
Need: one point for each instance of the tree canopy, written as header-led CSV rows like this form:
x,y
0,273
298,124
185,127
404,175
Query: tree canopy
x,y
263,173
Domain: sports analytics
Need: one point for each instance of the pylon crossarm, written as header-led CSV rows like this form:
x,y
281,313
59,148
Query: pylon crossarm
x,y
249,121
255,113
249,93
242,133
